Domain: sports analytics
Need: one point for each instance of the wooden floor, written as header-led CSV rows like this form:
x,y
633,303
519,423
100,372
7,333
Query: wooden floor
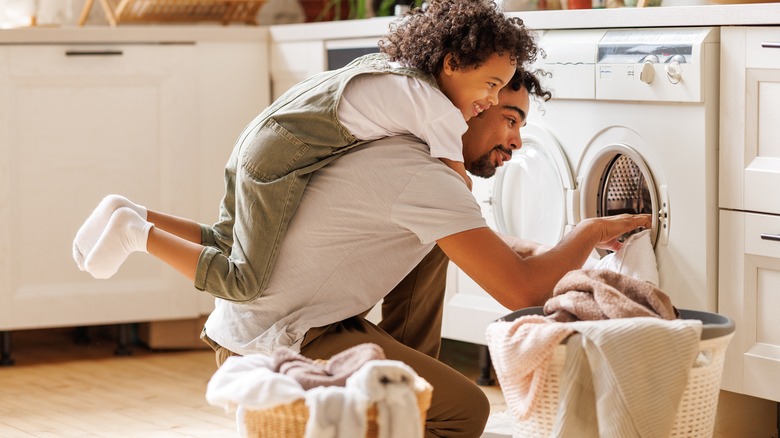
x,y
60,388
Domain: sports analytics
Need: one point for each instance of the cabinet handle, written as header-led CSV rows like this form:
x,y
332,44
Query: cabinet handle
x,y
770,45
93,53
775,237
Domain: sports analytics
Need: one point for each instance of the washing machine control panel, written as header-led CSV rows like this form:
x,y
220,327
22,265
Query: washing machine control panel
x,y
652,64
661,65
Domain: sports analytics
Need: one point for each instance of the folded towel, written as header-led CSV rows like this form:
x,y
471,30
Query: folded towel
x,y
310,373
588,295
635,258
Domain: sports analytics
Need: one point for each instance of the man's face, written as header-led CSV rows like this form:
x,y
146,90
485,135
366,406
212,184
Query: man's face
x,y
495,133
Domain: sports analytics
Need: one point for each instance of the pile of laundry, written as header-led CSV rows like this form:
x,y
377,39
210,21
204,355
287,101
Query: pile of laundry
x,y
337,392
628,357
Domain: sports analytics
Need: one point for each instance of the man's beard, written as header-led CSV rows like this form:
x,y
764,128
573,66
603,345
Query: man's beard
x,y
483,166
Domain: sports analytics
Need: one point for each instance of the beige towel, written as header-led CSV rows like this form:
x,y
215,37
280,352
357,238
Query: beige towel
x,y
311,374
624,378
588,295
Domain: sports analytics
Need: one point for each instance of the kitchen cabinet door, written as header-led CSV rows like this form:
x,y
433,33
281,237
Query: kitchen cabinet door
x,y
749,285
79,122
750,110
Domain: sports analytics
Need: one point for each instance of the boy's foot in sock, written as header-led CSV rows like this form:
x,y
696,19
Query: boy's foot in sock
x,y
125,232
93,227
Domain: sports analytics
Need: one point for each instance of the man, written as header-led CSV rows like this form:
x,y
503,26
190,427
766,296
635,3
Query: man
x,y
369,218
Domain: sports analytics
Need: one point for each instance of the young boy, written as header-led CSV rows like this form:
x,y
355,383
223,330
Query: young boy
x,y
439,68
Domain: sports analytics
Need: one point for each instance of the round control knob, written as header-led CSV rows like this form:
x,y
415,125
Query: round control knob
x,y
673,72
648,72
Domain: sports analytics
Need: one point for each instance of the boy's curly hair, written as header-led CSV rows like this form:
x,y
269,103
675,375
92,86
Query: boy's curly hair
x,y
472,30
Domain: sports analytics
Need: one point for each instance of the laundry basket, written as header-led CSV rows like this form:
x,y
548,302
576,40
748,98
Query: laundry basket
x,y
289,420
696,413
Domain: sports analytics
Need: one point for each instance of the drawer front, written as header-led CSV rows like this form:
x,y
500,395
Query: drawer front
x,y
749,111
749,292
762,235
762,47
98,59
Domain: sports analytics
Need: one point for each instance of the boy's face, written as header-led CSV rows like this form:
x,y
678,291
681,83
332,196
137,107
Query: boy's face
x,y
494,134
473,90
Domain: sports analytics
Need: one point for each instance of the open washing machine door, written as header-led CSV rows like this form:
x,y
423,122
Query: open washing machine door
x,y
613,178
530,191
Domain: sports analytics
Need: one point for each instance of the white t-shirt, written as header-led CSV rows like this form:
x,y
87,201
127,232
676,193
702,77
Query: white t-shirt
x,y
384,105
365,220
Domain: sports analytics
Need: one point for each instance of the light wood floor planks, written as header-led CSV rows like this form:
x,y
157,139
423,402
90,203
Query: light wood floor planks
x,y
59,389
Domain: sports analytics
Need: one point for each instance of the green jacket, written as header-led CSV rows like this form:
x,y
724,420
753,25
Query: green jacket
x,y
267,173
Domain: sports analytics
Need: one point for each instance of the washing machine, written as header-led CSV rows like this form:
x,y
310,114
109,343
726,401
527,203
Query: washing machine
x,y
632,128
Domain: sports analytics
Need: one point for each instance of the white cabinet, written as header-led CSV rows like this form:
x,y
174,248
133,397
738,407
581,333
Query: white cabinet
x,y
749,274
155,122
292,62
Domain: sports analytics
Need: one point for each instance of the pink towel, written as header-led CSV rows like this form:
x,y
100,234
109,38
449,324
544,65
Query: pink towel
x,y
588,295
521,351
311,373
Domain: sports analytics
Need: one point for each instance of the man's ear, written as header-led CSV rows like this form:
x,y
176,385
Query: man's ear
x,y
447,68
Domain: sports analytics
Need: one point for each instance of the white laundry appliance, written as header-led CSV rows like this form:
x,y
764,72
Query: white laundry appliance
x,y
632,127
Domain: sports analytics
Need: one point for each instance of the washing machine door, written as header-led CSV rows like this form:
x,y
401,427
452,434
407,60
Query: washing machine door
x,y
614,178
530,191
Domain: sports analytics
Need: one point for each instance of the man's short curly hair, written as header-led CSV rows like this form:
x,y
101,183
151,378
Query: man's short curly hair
x,y
472,30
530,81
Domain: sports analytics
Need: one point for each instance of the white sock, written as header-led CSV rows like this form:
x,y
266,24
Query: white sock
x,y
125,232
93,227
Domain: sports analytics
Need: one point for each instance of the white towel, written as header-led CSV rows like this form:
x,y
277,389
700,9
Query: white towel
x,y
635,258
391,385
335,412
625,377
249,381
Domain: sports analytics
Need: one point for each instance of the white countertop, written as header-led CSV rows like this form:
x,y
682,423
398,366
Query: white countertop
x,y
674,16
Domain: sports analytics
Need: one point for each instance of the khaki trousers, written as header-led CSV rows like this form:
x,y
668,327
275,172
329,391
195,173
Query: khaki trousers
x,y
410,332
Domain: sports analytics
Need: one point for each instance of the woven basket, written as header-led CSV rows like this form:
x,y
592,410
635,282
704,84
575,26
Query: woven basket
x,y
289,420
696,413
176,11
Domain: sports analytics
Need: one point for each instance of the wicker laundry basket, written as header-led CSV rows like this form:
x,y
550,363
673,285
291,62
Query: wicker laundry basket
x,y
289,420
698,406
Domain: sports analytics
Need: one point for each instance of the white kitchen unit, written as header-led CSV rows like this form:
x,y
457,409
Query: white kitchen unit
x,y
299,51
150,118
749,284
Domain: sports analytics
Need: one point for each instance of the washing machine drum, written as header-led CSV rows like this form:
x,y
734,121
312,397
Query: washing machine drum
x,y
531,199
617,180
623,189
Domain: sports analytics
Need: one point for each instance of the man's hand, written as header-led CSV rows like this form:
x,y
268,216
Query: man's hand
x,y
610,228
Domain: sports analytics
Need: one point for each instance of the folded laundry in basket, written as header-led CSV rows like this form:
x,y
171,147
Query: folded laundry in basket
x,y
333,372
588,295
249,383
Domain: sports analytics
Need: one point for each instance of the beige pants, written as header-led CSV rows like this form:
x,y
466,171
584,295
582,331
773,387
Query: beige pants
x,y
410,332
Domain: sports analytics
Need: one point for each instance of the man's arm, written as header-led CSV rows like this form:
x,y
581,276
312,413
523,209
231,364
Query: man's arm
x,y
517,282
523,247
